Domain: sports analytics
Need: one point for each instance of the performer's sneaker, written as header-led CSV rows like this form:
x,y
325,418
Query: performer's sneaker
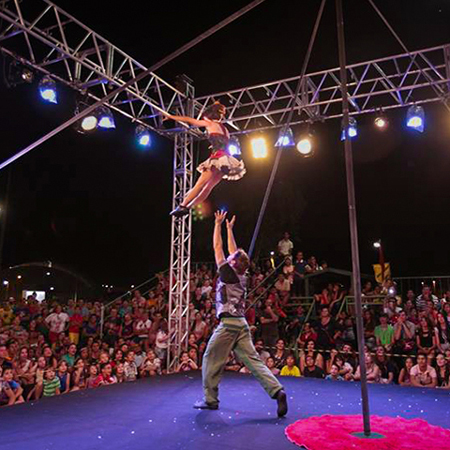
x,y
282,403
180,211
203,405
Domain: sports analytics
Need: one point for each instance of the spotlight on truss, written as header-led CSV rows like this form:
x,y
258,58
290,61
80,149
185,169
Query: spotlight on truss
x,y
305,145
234,147
285,138
415,118
143,136
89,123
352,130
259,147
105,118
18,74
381,122
47,90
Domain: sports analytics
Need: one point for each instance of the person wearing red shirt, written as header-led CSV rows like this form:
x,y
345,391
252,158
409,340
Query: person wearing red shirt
x,y
75,325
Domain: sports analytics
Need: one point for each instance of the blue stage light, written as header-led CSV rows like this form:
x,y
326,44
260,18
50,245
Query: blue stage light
x,y
285,138
234,147
47,90
105,118
415,118
143,136
352,129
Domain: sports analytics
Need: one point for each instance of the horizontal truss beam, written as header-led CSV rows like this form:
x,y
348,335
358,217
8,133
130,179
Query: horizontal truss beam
x,y
384,83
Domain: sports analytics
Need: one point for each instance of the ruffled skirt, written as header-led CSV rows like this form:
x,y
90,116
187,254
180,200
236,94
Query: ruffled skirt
x,y
232,169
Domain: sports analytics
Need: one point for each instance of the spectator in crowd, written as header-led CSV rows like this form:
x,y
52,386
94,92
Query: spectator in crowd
x,y
7,397
372,370
269,325
14,386
311,351
334,374
311,370
422,374
290,369
404,334
79,375
75,325
280,354
186,363
52,384
384,333
130,367
404,379
57,322
327,330
442,372
442,334
387,368
270,363
426,337
64,377
151,365
299,274
307,334
263,354
421,300
313,265
285,246
282,285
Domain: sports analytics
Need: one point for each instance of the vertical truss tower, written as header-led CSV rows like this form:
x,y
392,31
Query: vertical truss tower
x,y
180,256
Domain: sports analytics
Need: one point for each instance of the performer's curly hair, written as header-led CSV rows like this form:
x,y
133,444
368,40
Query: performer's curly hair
x,y
215,111
241,261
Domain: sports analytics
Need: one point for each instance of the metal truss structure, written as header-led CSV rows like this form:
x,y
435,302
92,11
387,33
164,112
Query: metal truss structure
x,y
42,36
392,82
180,256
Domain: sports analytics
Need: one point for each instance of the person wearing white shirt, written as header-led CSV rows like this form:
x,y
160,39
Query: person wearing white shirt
x,y
57,322
285,246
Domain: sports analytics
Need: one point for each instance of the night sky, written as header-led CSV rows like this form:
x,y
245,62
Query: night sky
x,y
100,205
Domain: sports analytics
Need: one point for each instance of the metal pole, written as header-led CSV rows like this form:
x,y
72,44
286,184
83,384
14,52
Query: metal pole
x,y
133,81
352,219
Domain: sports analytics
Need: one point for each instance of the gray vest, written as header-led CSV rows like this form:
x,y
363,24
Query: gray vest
x,y
230,297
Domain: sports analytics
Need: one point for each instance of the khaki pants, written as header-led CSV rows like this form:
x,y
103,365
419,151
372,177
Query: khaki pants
x,y
233,334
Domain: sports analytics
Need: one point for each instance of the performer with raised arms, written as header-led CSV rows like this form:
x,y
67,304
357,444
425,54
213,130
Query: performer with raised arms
x,y
233,332
219,166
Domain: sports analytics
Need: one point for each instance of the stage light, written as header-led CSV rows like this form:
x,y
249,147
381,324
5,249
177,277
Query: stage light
x,y
377,244
48,274
18,74
305,145
19,277
259,148
143,136
5,282
415,118
47,90
285,138
89,123
234,147
105,118
381,122
27,75
52,288
352,129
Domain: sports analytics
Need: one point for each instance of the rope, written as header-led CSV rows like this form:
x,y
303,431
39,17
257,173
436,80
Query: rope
x,y
284,129
133,81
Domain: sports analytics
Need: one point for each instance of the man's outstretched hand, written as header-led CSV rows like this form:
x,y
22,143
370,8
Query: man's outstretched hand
x,y
230,223
220,217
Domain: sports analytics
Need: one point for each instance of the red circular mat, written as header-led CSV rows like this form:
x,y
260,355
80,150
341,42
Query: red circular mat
x,y
334,433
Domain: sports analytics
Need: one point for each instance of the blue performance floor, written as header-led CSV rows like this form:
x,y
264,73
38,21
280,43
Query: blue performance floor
x,y
157,413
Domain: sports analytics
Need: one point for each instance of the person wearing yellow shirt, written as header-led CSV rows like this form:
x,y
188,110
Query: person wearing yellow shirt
x,y
290,369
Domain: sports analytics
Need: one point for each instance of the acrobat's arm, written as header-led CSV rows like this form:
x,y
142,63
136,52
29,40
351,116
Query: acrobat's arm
x,y
217,238
189,120
232,247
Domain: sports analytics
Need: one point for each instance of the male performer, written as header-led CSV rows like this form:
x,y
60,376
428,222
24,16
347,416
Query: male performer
x,y
233,333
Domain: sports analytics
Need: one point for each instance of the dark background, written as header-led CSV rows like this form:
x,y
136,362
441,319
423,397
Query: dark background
x,y
100,205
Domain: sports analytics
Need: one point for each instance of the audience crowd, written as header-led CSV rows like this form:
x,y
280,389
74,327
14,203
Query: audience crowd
x,y
50,348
